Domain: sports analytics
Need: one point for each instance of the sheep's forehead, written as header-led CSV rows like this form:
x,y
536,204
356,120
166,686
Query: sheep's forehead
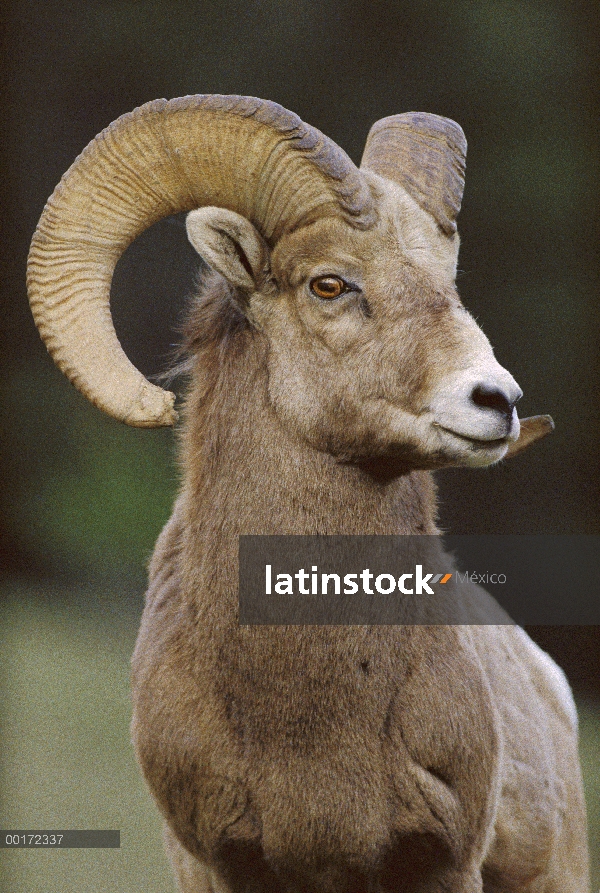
x,y
332,245
403,232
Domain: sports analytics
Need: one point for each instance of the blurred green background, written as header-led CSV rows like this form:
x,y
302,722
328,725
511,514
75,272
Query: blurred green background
x,y
84,498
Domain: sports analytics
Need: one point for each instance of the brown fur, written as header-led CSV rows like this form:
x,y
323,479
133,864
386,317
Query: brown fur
x,y
346,759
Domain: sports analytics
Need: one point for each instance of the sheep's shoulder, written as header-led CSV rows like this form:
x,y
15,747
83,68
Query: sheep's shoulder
x,y
540,776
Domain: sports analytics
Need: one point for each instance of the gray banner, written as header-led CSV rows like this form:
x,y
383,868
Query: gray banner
x,y
381,580
53,840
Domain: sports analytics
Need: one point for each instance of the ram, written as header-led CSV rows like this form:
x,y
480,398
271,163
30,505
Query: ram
x,y
332,368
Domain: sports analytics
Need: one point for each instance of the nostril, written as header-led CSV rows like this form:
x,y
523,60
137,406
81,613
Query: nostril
x,y
491,397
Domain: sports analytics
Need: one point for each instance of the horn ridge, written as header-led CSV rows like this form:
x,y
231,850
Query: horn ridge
x,y
245,154
425,154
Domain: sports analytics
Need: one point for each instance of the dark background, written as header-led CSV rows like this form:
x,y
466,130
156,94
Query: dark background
x,y
83,498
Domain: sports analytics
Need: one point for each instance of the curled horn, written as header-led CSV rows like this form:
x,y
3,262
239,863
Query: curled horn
x,y
425,154
235,152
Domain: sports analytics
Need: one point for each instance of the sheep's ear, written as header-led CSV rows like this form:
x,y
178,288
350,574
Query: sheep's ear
x,y
229,244
532,430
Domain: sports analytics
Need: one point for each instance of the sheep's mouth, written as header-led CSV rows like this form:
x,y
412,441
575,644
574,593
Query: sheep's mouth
x,y
477,442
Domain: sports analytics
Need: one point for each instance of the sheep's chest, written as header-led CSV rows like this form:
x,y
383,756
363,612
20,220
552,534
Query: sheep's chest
x,y
394,783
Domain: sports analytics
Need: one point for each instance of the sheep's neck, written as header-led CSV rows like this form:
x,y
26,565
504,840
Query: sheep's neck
x,y
247,474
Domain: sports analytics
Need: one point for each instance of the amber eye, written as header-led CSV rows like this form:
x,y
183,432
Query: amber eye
x,y
328,287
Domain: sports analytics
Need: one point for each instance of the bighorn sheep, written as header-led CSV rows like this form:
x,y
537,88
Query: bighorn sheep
x,y
332,367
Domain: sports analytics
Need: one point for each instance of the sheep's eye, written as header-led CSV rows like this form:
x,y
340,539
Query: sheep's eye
x,y
328,287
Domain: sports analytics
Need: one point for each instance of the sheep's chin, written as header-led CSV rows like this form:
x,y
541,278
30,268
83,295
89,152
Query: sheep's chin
x,y
471,452
422,442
